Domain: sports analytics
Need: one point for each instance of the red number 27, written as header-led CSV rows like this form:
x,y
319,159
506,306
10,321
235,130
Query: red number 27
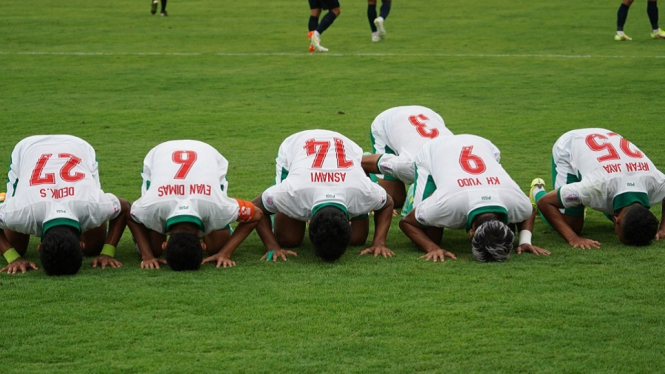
x,y
65,171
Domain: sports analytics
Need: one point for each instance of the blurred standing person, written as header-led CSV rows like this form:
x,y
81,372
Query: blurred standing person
x,y
376,23
316,28
153,8
652,12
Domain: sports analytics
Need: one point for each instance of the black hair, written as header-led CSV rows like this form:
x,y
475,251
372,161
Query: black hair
x,y
60,251
183,251
330,233
639,225
492,240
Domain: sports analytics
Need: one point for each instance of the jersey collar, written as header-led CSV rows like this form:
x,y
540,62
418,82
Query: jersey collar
x,y
61,222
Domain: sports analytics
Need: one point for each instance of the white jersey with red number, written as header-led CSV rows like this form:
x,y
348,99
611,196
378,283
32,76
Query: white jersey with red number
x,y
464,173
399,133
614,173
185,181
52,178
316,167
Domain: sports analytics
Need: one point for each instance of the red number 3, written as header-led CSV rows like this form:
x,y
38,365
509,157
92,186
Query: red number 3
x,y
471,163
422,127
65,172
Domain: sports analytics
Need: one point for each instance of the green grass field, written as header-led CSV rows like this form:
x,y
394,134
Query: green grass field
x,y
238,76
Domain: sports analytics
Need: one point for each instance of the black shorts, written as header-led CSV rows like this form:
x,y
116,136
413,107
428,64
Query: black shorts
x,y
323,4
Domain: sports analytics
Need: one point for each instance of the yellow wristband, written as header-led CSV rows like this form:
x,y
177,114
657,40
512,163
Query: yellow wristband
x,y
108,250
11,255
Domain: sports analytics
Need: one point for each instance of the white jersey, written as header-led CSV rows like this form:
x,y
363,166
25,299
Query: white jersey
x,y
600,169
399,133
53,180
459,177
185,181
321,167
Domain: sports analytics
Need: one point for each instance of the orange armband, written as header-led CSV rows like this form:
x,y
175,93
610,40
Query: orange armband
x,y
245,210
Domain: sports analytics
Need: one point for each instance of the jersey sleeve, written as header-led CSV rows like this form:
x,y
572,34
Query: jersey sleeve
x,y
91,160
570,195
146,173
115,205
283,160
14,171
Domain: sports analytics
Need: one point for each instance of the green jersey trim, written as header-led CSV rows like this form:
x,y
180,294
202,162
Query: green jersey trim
x,y
60,222
486,209
184,219
628,198
316,208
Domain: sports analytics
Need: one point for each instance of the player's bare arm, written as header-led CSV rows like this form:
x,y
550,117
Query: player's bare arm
x,y
247,223
16,263
549,206
369,163
382,220
416,232
264,229
115,230
141,236
661,230
525,229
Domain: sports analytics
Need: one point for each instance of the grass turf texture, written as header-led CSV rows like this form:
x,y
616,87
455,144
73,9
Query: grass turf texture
x,y
237,75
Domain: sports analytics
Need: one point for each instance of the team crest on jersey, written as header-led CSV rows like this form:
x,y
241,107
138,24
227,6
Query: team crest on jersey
x,y
420,216
270,202
572,198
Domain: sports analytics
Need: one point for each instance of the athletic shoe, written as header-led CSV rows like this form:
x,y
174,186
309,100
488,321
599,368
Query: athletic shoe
x,y
660,34
311,46
624,37
537,183
163,14
378,22
376,37
153,7
315,41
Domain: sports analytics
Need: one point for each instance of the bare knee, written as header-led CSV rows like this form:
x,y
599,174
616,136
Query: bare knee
x,y
288,241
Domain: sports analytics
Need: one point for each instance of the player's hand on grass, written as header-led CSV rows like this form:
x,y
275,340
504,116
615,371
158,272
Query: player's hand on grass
x,y
533,249
19,265
378,250
583,243
438,255
221,261
103,261
660,234
152,263
278,253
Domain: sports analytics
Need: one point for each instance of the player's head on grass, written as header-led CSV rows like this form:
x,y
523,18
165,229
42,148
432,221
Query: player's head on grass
x,y
330,233
60,251
183,251
492,240
636,225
